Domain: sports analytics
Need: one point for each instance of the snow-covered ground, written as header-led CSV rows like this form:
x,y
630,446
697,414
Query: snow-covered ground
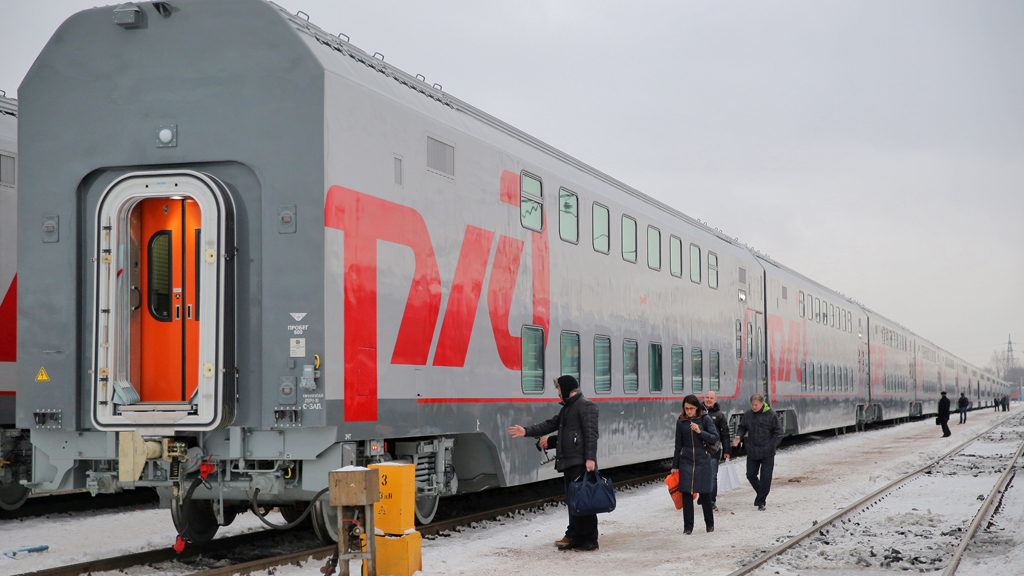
x,y
644,535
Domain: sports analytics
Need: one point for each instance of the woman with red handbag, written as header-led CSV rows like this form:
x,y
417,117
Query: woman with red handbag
x,y
694,429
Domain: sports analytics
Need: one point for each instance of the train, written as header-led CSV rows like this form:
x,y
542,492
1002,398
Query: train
x,y
250,253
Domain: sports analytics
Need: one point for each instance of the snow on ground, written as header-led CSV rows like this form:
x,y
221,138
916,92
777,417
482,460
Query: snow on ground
x,y
644,535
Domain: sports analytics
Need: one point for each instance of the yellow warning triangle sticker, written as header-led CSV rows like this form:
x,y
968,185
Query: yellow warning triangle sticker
x,y
42,376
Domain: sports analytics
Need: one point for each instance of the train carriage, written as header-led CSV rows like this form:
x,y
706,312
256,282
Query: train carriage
x,y
248,244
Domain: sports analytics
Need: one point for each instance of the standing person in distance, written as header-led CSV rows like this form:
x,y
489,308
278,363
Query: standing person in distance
x,y
943,417
575,453
962,405
693,429
722,425
764,433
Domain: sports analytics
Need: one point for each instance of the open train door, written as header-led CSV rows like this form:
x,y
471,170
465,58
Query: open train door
x,y
163,342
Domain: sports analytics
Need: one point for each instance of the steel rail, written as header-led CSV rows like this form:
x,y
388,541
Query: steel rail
x,y
954,563
774,552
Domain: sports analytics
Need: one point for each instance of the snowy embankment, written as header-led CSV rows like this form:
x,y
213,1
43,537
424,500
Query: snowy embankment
x,y
644,535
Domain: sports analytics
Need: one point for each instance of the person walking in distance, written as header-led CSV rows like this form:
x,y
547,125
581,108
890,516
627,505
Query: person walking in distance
x,y
692,461
943,417
962,405
764,432
722,425
575,453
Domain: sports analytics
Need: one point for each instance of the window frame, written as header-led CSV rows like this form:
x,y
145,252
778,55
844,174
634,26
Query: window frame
x,y
636,365
150,269
714,370
656,230
538,199
700,263
636,248
575,215
596,371
696,370
651,347
677,243
712,270
579,355
522,367
682,369
608,227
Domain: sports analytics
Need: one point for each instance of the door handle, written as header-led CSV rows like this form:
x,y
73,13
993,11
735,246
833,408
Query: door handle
x,y
188,312
138,303
177,312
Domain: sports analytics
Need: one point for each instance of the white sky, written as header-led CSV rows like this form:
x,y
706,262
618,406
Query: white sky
x,y
874,146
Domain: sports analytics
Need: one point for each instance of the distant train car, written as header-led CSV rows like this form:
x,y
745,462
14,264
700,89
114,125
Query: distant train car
x,y
13,442
264,250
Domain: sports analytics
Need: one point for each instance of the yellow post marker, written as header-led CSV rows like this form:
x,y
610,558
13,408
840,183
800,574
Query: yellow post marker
x,y
396,509
399,555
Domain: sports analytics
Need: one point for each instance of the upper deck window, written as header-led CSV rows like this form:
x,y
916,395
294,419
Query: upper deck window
x,y
531,202
440,157
7,167
568,221
653,248
695,263
602,237
628,239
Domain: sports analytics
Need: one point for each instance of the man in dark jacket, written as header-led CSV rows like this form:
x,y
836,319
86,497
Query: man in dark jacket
x,y
764,432
943,418
962,404
575,453
722,425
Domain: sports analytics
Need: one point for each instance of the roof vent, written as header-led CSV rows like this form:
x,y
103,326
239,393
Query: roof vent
x,y
128,15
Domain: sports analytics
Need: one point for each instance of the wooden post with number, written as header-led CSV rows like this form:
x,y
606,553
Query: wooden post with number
x,y
354,491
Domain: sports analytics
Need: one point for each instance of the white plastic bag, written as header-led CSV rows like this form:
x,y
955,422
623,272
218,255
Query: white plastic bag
x,y
728,478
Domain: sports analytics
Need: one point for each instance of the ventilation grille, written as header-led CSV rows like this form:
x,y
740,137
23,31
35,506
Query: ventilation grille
x,y
7,170
441,157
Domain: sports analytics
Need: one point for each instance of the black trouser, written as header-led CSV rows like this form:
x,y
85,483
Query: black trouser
x,y
763,485
963,415
581,528
706,506
714,474
945,428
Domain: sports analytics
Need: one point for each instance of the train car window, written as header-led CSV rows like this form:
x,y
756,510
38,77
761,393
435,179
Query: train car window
x,y
568,216
628,239
750,341
695,263
440,157
675,256
531,202
739,340
713,370
653,248
570,354
810,376
803,376
654,366
817,310
677,370
630,374
602,364
800,303
834,387
742,276
532,342
602,235
160,276
7,168
821,381
713,270
697,369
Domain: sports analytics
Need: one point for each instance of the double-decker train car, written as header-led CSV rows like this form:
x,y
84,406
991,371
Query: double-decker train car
x,y
14,446
264,254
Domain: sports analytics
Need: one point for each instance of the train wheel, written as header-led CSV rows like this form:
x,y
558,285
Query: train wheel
x,y
325,522
291,513
12,496
199,521
426,508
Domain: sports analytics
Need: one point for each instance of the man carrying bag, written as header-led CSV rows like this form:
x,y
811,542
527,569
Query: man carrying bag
x,y
575,454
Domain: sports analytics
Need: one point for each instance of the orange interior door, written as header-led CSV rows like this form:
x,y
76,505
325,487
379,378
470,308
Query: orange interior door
x,y
170,324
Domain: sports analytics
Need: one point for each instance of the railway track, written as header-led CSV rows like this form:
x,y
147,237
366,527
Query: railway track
x,y
229,553
871,520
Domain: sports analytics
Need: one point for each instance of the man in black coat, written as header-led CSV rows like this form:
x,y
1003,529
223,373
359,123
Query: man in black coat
x,y
722,425
962,404
764,432
575,453
943,417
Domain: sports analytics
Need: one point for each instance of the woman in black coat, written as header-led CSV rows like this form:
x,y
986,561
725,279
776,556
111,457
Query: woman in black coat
x,y
693,429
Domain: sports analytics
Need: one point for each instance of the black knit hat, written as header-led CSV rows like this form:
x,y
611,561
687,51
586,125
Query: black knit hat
x,y
566,384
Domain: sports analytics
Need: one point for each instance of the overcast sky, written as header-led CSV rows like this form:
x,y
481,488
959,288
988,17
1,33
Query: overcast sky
x,y
875,146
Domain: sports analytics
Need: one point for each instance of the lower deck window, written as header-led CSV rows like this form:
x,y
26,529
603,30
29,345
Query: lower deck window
x,y
532,342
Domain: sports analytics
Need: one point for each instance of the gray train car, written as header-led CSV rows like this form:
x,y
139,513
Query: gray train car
x,y
892,368
815,353
252,253
928,375
14,446
276,255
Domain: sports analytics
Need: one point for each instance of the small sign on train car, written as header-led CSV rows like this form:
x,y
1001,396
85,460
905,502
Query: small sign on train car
x,y
42,376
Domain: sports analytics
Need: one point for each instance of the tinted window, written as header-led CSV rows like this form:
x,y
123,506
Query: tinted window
x,y
568,219
713,371
712,270
602,364
628,239
570,354
654,366
677,369
694,263
675,256
653,248
533,359
602,241
697,372
630,374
